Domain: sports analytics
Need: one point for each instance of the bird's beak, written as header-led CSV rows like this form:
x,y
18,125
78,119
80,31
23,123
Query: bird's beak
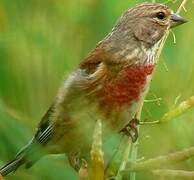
x,y
177,20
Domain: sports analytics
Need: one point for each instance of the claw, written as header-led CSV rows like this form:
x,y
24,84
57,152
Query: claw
x,y
75,161
131,129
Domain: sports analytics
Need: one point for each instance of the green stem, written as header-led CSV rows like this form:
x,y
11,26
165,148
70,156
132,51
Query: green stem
x,y
174,113
134,148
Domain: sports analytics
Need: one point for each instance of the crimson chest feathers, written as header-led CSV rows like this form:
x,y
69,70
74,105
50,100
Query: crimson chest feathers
x,y
126,87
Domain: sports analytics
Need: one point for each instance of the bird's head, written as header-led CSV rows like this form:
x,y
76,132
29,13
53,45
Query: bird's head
x,y
148,22
135,37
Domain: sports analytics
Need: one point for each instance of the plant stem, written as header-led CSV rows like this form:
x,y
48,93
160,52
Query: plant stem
x,y
97,164
174,174
119,160
161,161
174,113
181,6
134,148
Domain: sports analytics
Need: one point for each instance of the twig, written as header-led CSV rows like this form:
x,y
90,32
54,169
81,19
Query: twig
x,y
1,177
152,100
176,112
176,174
167,32
159,51
113,166
182,6
97,165
174,36
119,160
134,147
161,161
124,159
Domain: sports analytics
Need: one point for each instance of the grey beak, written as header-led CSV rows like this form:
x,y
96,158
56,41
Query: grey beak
x,y
177,20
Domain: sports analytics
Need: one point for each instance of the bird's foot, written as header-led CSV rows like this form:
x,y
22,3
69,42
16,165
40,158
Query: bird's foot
x,y
75,161
131,129
79,164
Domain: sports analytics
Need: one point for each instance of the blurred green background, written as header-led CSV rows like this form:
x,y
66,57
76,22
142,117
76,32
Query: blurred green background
x,y
42,41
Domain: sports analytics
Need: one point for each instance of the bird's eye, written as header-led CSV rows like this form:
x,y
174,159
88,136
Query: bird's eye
x,y
161,15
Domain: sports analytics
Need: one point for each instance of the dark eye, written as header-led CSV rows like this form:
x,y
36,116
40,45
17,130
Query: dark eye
x,y
161,15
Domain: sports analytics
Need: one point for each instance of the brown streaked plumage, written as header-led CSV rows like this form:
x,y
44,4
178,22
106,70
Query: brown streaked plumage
x,y
110,84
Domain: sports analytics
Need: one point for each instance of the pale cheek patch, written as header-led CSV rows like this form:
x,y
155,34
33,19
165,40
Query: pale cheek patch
x,y
155,35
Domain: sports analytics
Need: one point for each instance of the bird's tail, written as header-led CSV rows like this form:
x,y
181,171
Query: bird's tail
x,y
12,165
28,155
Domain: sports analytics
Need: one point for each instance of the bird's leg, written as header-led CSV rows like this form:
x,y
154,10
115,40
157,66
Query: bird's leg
x,y
131,129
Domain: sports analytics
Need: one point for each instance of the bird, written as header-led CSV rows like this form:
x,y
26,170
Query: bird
x,y
109,84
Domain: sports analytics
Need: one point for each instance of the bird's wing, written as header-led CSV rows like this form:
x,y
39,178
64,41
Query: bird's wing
x,y
87,67
44,129
96,57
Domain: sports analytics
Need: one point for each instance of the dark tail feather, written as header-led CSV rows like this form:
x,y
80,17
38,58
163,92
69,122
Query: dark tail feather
x,y
12,165
27,155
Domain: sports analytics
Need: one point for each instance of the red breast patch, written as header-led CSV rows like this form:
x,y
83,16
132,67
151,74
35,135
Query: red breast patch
x,y
126,87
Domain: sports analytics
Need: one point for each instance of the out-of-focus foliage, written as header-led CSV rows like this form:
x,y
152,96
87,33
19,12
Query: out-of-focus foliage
x,y
42,41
